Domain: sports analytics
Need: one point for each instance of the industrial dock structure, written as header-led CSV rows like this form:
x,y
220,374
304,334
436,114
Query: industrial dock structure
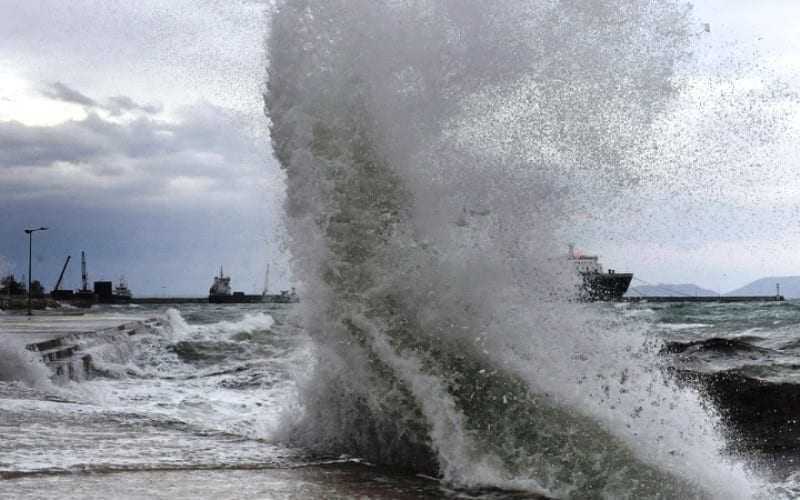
x,y
13,294
596,285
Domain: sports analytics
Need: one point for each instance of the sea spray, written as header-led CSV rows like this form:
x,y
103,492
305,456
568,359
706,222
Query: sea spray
x,y
18,364
434,152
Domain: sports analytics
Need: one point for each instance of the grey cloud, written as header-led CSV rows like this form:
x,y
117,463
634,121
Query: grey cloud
x,y
62,92
118,162
117,104
81,141
166,45
22,145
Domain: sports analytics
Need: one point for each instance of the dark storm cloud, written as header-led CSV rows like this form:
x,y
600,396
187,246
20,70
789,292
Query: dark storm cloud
x,y
80,141
163,197
35,146
164,201
61,92
205,152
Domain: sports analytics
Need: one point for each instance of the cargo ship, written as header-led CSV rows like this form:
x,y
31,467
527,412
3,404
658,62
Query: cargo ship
x,y
598,285
221,293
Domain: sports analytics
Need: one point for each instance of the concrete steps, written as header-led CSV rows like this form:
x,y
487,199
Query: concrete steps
x,y
66,355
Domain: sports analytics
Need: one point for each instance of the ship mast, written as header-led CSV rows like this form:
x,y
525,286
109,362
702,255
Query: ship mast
x,y
84,277
266,281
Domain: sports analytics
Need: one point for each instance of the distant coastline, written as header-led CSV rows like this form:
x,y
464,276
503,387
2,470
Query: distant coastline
x,y
789,287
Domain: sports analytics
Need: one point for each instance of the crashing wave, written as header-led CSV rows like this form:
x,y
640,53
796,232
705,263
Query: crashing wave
x,y
434,150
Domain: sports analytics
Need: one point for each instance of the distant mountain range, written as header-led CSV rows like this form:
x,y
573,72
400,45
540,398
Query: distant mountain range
x,y
669,290
790,287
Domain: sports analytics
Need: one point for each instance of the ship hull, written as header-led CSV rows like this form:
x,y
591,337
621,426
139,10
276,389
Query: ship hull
x,y
252,299
84,299
605,286
235,299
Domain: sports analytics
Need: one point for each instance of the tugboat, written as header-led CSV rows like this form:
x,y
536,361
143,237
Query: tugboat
x,y
598,285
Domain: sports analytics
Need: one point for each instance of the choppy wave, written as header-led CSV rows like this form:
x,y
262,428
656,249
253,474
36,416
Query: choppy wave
x,y
719,345
207,395
759,405
433,150
178,326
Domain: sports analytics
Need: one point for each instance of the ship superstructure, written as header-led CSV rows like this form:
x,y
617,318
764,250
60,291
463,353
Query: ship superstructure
x,y
598,285
221,292
121,292
221,285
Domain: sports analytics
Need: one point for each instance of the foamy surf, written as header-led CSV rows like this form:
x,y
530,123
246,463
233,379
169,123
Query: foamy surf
x,y
184,395
18,364
178,326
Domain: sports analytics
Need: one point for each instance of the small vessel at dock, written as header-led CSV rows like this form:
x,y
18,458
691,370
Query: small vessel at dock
x,y
121,292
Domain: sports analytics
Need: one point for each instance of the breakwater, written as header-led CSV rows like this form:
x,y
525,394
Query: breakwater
x,y
721,298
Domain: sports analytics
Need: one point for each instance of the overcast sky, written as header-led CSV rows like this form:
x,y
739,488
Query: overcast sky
x,y
134,130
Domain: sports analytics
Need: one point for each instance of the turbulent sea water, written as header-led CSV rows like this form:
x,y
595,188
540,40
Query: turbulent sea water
x,y
199,408
437,153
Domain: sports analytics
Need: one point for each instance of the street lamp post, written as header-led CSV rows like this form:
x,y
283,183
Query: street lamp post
x,y
30,232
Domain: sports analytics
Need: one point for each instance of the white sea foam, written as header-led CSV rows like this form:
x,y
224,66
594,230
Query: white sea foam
x,y
179,328
19,364
145,373
682,326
